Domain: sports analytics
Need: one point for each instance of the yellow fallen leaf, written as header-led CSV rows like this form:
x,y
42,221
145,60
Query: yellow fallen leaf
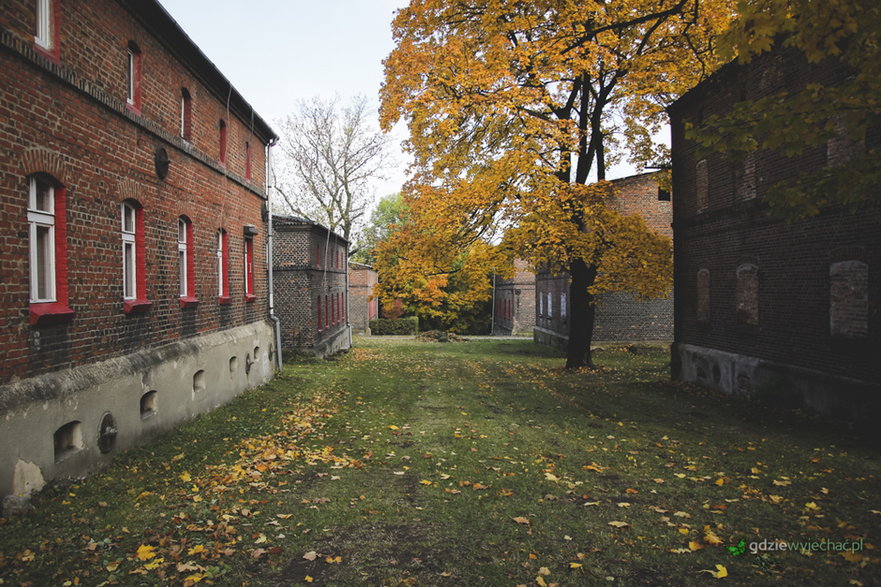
x,y
540,581
146,552
594,467
283,516
112,566
683,531
551,477
521,520
851,556
425,482
720,573
695,545
196,577
618,524
199,548
393,427
658,480
308,579
782,483
154,564
311,555
260,539
575,565
177,457
185,477
680,550
544,571
720,481
711,538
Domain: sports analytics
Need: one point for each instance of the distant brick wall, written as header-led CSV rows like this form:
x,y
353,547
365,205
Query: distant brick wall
x,y
362,309
619,316
514,310
758,293
309,280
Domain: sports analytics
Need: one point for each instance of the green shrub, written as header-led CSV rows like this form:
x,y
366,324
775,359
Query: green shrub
x,y
409,325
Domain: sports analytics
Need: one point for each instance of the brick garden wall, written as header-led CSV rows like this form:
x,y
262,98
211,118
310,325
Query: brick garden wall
x,y
515,301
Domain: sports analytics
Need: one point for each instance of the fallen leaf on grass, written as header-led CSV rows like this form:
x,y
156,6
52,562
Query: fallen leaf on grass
x,y
695,545
711,538
311,555
720,573
618,524
594,467
146,552
521,520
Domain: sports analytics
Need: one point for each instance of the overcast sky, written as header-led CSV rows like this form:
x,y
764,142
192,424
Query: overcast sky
x,y
276,52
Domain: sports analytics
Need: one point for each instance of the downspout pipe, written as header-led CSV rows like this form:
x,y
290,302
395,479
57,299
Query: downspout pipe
x,y
270,261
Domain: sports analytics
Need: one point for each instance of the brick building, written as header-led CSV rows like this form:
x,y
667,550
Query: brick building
x,y
514,301
620,317
785,310
362,308
310,286
133,283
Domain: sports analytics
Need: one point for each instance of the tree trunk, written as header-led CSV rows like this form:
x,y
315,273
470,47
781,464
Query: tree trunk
x,y
582,316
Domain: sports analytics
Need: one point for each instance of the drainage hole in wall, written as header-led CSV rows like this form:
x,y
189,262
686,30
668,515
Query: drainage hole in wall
x,y
149,404
107,433
68,440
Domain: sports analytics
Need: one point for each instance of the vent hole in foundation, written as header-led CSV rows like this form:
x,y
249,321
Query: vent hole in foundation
x,y
149,405
233,365
107,432
199,381
68,440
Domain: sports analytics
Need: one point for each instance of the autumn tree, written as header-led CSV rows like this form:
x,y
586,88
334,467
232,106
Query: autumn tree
x,y
514,107
846,31
329,154
388,214
440,283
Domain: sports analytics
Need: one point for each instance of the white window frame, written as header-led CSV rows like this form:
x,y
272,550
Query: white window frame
x,y
219,253
43,38
39,218
130,97
249,264
129,251
182,245
183,118
550,305
562,306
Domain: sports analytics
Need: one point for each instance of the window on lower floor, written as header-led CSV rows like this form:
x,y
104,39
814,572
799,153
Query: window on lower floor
x,y
222,254
703,295
41,221
747,294
849,299
249,269
185,256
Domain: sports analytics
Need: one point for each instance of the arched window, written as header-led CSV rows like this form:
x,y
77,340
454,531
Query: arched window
x,y
703,295
47,236
133,76
186,270
250,296
747,294
223,267
222,142
186,115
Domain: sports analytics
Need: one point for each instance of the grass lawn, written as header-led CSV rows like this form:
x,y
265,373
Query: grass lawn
x,y
476,463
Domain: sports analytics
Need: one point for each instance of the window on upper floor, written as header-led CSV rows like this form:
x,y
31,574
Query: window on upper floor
x,y
222,254
222,130
186,115
47,236
44,34
133,76
248,160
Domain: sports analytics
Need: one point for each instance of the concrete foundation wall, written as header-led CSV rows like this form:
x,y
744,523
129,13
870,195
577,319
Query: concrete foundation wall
x,y
777,383
190,377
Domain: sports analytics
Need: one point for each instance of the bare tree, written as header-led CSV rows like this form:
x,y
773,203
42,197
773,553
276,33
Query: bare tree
x,y
329,154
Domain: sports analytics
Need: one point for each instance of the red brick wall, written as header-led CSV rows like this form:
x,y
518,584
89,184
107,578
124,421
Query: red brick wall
x,y
74,114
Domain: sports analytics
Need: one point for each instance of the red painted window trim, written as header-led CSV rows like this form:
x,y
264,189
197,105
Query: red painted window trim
x,y
140,304
250,296
326,312
223,296
135,104
53,53
57,312
190,300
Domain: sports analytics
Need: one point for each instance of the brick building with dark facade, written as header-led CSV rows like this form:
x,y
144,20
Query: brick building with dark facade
x,y
621,316
514,301
790,311
133,282
363,307
310,286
